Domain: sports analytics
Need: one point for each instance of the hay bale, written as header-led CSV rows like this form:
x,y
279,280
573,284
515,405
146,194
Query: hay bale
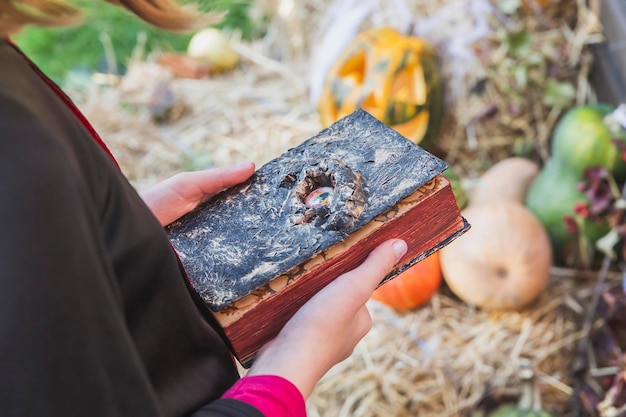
x,y
446,357
251,114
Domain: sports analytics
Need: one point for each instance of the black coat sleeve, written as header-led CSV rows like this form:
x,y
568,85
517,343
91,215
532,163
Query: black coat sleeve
x,y
64,348
95,317
228,407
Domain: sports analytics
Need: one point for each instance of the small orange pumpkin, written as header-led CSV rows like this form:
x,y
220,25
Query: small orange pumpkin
x,y
413,287
394,77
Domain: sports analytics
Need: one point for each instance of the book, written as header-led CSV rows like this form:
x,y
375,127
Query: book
x,y
258,251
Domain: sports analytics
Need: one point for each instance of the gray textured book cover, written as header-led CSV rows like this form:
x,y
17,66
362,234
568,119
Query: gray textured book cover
x,y
297,205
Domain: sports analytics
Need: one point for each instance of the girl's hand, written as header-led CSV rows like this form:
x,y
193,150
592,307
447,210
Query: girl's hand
x,y
328,327
180,194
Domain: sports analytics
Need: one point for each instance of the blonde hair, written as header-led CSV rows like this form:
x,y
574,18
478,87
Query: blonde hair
x,y
165,14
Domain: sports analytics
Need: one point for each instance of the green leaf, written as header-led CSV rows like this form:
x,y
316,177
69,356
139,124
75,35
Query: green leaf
x,y
521,76
509,6
558,93
607,242
523,146
534,58
520,42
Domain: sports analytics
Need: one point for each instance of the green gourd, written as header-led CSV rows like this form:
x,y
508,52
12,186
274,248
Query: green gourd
x,y
587,136
551,197
584,137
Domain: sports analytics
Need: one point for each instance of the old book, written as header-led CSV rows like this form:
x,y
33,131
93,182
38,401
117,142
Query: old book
x,y
256,252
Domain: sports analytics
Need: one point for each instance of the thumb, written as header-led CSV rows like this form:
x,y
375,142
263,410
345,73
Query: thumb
x,y
210,182
380,262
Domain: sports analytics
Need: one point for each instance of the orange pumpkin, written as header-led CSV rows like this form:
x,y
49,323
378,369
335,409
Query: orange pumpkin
x,y
394,77
413,287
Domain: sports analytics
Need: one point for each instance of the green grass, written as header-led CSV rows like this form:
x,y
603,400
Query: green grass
x,y
58,50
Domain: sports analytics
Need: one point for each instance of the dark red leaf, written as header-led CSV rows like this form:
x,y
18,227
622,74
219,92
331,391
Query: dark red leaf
x,y
570,224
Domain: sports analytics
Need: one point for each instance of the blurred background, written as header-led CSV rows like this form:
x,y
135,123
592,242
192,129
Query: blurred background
x,y
523,315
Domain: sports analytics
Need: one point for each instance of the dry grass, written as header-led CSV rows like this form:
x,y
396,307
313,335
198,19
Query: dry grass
x,y
446,358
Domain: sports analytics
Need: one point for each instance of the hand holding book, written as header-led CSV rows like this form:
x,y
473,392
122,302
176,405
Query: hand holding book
x,y
296,353
328,327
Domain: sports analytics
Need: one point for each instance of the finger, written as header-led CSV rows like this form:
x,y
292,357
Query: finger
x,y
193,186
209,182
379,263
181,193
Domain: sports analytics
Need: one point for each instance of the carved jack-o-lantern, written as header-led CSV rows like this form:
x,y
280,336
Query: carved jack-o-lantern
x,y
394,77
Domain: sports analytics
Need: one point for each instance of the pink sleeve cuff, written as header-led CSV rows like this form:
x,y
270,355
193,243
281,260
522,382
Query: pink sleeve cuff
x,y
272,395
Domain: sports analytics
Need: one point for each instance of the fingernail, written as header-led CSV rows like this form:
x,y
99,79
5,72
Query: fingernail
x,y
399,247
244,164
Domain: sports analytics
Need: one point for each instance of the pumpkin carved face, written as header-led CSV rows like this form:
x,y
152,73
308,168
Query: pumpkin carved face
x,y
395,78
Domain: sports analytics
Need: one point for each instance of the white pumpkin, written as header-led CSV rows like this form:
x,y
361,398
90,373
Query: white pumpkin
x,y
503,262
